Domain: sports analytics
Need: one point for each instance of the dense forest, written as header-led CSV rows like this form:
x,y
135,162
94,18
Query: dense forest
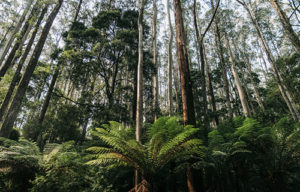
x,y
149,95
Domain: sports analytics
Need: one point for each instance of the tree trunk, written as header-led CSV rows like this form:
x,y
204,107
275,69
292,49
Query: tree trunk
x,y
186,84
77,11
20,93
48,96
16,77
19,42
139,106
286,25
211,91
16,30
237,81
139,110
220,52
170,61
256,92
283,90
203,82
155,77
177,87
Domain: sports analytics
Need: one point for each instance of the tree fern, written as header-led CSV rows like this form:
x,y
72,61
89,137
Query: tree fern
x,y
163,146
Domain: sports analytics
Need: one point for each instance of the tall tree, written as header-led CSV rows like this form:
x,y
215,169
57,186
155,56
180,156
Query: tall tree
x,y
200,39
16,77
15,106
220,51
170,60
16,30
55,76
283,90
183,61
186,83
211,91
237,80
154,45
285,21
9,62
139,100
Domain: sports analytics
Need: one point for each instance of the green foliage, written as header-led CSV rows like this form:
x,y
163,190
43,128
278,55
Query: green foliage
x,y
19,162
151,158
261,158
65,165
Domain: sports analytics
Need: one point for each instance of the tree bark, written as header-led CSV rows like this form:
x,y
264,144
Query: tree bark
x,y
139,110
186,84
256,92
19,42
48,96
139,106
155,77
16,77
237,81
20,93
286,25
170,61
283,90
211,91
220,52
16,30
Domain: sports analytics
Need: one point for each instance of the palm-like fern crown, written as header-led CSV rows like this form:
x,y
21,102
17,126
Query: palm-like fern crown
x,y
167,141
14,155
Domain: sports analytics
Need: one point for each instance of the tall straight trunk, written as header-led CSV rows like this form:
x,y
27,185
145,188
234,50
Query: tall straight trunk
x,y
292,35
283,90
177,87
256,92
48,96
4,37
200,39
139,110
19,42
234,97
170,61
211,91
16,77
155,77
16,30
20,93
237,81
139,100
54,78
247,92
186,84
220,52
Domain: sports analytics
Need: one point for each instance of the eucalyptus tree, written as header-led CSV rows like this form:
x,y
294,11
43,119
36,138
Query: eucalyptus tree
x,y
170,59
19,42
155,77
237,80
15,31
139,100
220,51
285,21
283,90
15,106
186,83
17,74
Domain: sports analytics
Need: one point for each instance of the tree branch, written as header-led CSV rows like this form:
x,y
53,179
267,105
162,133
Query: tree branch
x,y
211,21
